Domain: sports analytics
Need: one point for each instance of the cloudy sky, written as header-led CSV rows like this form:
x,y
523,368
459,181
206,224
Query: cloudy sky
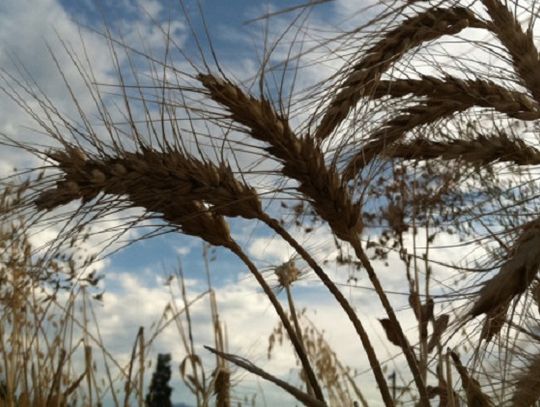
x,y
32,31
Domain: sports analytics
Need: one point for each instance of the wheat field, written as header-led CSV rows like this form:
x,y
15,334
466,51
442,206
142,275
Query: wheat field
x,y
418,149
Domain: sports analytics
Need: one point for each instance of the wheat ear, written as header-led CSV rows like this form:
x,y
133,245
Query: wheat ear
x,y
146,182
364,75
527,389
515,275
481,150
520,44
394,129
469,92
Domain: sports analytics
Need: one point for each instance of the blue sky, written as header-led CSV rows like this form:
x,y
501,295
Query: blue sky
x,y
133,283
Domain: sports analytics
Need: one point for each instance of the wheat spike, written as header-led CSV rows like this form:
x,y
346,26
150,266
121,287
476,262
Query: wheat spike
x,y
396,128
527,389
148,179
364,75
481,150
477,92
301,157
520,45
516,274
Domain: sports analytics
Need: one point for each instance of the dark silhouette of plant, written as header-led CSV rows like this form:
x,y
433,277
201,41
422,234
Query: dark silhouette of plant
x,y
159,394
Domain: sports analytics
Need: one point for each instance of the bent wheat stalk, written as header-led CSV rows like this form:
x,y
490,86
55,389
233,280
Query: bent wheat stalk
x,y
153,181
305,398
303,161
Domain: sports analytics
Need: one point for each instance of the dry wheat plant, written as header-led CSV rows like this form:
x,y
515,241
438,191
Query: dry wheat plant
x,y
51,347
423,130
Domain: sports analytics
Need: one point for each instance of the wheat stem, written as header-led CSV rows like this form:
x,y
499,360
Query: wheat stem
x,y
345,305
397,328
312,379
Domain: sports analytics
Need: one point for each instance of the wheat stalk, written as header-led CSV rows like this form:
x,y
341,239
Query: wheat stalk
x,y
304,162
365,74
305,398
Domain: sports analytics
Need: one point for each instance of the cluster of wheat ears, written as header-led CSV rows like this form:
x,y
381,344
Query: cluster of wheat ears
x,y
447,147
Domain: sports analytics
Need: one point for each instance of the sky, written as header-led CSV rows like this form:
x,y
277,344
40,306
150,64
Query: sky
x,y
135,293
